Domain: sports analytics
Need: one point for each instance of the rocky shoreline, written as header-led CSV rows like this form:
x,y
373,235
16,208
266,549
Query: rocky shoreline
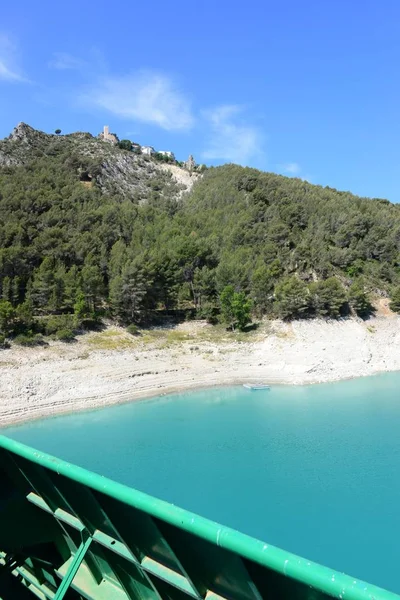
x,y
110,367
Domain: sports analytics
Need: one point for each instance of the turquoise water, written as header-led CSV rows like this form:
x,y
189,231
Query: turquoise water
x,y
312,469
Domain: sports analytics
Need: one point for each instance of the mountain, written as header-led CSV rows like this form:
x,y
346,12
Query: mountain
x,y
88,229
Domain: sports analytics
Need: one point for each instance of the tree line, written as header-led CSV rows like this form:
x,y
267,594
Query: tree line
x,y
241,242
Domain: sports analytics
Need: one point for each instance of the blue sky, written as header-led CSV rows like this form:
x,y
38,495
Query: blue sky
x,y
305,88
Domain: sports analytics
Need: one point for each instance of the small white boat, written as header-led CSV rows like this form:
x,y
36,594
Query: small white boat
x,y
256,386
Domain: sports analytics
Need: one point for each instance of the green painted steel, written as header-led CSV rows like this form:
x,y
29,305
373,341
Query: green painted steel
x,y
66,532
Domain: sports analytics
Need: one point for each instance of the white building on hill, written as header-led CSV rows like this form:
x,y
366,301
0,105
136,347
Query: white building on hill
x,y
167,153
149,150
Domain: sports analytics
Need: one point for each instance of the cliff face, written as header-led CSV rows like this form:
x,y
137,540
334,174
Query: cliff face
x,y
116,171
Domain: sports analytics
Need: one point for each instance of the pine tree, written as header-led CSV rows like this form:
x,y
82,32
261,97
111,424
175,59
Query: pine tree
x,y
133,289
43,284
292,299
6,289
92,285
395,300
359,300
7,317
328,298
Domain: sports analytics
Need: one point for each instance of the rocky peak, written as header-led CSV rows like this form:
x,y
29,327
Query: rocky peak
x,y
21,132
190,164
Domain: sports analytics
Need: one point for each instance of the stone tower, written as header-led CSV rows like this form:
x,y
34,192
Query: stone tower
x,y
107,136
190,164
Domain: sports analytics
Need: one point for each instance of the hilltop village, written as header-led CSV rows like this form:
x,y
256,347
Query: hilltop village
x,y
161,155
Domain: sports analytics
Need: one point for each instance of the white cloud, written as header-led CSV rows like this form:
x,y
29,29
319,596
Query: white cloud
x,y
64,61
145,96
231,139
292,168
9,70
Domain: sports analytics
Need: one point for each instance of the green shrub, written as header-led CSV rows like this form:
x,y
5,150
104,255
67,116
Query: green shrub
x,y
91,324
7,316
235,308
58,322
209,311
3,342
30,340
133,329
125,145
65,335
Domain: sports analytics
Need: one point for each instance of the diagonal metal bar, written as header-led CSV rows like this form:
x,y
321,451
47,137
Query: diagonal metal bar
x,y
73,568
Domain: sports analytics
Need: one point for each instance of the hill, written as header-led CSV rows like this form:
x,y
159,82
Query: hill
x,y
89,229
115,171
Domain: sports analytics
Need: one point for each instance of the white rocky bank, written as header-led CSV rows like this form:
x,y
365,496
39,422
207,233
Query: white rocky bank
x,y
63,378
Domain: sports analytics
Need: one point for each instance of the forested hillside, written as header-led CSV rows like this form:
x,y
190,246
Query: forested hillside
x,y
73,248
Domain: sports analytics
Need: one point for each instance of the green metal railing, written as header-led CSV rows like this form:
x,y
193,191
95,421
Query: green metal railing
x,y
66,532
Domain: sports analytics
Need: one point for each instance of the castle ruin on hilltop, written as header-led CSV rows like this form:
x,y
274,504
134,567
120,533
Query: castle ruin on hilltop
x,y
107,136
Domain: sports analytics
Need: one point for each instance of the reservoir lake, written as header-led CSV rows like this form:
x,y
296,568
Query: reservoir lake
x,y
314,469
